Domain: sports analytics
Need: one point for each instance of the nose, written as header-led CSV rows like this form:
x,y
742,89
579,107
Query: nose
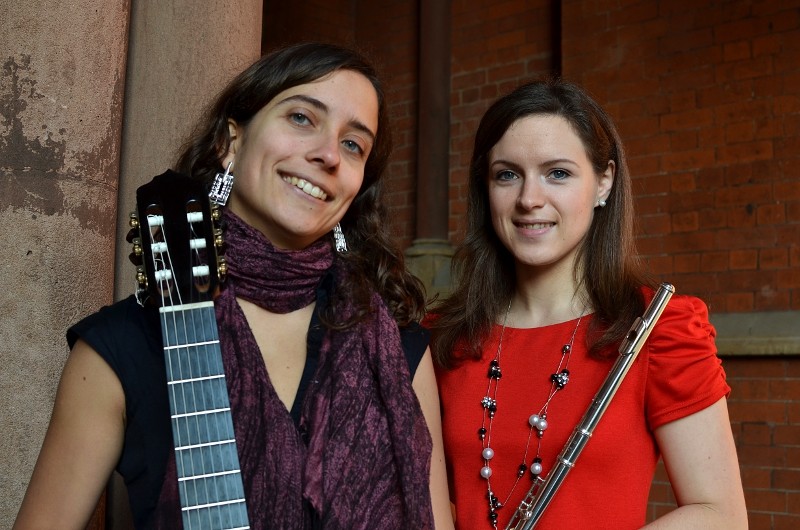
x,y
531,194
325,152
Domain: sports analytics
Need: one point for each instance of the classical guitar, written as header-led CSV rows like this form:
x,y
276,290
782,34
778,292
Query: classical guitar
x,y
178,246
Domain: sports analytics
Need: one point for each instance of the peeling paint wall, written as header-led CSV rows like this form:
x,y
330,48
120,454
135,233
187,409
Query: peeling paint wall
x,y
62,78
70,153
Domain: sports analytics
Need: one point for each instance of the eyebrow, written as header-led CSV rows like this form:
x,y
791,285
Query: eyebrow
x,y
554,161
314,102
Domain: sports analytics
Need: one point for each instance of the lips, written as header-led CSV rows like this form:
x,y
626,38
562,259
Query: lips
x,y
306,187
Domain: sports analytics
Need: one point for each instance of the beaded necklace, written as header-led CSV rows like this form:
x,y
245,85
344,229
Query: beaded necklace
x,y
536,422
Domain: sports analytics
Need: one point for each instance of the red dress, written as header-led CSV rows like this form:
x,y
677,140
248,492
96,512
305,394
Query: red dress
x,y
676,374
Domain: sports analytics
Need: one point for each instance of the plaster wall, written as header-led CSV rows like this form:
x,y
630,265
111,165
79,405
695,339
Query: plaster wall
x,y
62,76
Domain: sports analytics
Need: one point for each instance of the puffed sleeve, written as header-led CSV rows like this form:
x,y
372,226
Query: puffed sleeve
x,y
684,373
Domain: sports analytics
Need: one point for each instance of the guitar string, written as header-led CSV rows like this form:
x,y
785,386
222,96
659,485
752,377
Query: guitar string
x,y
164,287
198,405
233,464
205,369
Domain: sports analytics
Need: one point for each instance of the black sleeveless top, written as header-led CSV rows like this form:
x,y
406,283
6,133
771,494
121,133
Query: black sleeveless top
x,y
128,338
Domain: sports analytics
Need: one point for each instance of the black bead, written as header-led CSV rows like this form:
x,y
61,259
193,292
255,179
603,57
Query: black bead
x,y
482,433
566,349
560,379
494,370
522,469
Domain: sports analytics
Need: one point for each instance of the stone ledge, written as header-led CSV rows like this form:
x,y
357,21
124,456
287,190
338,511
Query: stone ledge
x,y
768,333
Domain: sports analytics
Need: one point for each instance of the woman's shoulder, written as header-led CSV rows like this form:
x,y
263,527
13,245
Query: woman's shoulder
x,y
126,335
682,329
117,319
682,308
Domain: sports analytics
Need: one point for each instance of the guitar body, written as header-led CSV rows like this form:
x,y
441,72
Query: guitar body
x,y
181,271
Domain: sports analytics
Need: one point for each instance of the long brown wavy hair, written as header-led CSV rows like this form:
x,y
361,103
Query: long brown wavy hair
x,y
484,270
373,263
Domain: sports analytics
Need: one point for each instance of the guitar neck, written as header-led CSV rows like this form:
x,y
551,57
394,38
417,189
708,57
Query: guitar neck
x,y
209,476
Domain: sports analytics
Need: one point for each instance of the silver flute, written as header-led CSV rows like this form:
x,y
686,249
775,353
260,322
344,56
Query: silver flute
x,y
541,493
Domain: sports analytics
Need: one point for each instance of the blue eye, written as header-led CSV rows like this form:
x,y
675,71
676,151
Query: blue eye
x,y
506,175
558,174
350,145
299,118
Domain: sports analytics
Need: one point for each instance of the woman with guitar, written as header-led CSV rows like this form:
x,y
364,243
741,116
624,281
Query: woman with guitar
x,y
327,390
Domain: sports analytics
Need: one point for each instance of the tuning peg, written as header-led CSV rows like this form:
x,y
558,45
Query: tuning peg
x,y
219,240
216,213
222,268
133,220
141,277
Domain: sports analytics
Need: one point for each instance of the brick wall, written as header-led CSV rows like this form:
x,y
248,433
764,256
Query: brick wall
x,y
707,98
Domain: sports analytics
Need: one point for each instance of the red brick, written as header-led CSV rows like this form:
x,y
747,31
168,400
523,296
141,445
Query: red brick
x,y
745,152
714,261
756,478
745,259
688,160
772,258
757,368
685,222
794,255
755,434
788,279
734,51
690,119
686,263
759,521
739,302
768,214
765,500
785,521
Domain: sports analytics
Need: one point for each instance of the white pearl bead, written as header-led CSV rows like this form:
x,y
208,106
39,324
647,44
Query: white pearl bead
x,y
488,453
533,420
536,468
542,425
486,472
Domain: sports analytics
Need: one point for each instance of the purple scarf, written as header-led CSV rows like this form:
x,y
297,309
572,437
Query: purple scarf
x,y
366,463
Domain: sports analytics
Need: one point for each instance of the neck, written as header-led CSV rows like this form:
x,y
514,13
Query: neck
x,y
544,298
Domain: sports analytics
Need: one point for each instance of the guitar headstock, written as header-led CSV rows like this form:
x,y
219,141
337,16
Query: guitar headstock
x,y
177,241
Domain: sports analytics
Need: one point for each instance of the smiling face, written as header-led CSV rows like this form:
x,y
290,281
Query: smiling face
x,y
299,163
542,193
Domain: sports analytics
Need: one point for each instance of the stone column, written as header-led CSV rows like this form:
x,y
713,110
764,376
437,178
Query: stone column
x,y
62,77
430,253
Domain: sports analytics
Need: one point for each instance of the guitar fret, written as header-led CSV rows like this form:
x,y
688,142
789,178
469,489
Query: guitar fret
x,y
195,379
212,505
191,345
200,413
209,475
184,307
208,444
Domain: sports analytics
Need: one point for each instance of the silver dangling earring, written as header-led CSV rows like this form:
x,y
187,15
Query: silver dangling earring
x,y
338,236
221,187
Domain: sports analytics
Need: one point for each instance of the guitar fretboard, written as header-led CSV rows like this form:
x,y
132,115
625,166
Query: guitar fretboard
x,y
209,478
